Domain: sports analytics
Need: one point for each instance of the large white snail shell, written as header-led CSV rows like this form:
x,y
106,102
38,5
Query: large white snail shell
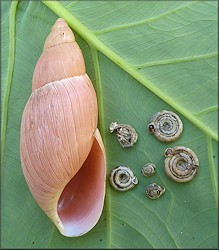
x,y
61,150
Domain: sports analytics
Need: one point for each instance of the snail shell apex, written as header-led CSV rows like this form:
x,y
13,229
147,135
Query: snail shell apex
x,y
59,34
60,145
62,58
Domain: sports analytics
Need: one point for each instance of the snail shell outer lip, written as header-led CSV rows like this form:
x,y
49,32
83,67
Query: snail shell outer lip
x,y
181,155
45,143
116,176
155,126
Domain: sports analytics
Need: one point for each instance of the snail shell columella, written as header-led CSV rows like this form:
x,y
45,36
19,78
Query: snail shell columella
x,y
122,178
154,191
166,126
181,163
148,169
126,134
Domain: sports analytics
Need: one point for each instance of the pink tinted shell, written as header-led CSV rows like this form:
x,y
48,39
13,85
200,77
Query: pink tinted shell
x,y
61,150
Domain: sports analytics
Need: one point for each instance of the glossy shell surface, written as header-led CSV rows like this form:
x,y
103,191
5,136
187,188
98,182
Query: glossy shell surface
x,y
166,126
122,178
181,163
60,144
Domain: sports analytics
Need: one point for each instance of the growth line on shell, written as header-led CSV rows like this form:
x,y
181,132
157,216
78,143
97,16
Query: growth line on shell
x,y
93,40
64,141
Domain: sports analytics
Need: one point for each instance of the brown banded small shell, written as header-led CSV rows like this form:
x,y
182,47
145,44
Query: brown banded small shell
x,y
122,178
154,191
148,169
181,163
166,126
126,134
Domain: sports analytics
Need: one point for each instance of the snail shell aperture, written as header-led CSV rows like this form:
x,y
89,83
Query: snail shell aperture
x,y
61,150
166,126
181,163
122,178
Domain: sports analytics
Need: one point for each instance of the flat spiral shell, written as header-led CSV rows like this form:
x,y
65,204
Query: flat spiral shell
x,y
122,178
148,169
126,134
181,164
154,191
166,126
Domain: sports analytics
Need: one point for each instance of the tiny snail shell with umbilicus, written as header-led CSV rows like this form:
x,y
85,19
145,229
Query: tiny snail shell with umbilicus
x,y
154,191
166,126
181,164
61,150
148,169
122,178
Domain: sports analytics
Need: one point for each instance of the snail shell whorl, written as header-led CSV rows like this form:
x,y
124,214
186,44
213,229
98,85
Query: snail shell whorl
x,y
61,58
181,164
154,191
126,134
148,169
122,178
61,150
166,126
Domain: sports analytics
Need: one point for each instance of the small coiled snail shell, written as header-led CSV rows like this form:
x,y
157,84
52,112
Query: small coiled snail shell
x,y
154,191
181,163
122,178
126,134
61,149
148,169
166,126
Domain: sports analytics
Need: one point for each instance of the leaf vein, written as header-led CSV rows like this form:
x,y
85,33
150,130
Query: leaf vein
x,y
178,60
91,38
11,61
124,26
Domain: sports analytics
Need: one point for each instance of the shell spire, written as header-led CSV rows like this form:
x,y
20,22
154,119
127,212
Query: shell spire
x,y
60,34
62,58
61,150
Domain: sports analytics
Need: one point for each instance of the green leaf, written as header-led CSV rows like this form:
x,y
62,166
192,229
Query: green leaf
x,y
142,57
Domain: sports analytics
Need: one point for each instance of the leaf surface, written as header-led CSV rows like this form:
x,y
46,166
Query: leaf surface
x,y
142,57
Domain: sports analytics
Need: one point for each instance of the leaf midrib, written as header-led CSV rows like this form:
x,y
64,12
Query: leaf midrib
x,y
94,53
212,169
11,60
92,40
